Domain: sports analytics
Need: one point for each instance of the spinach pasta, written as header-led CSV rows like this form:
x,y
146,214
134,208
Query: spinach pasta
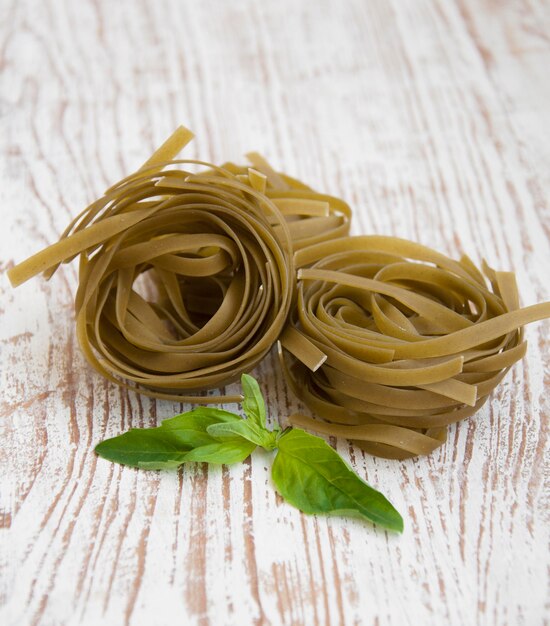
x,y
390,341
216,248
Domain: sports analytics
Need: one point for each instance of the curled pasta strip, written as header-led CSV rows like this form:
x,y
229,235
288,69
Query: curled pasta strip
x,y
311,217
216,248
390,341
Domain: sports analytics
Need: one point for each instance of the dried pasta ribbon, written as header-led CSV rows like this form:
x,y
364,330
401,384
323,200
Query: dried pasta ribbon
x,y
216,248
311,217
390,341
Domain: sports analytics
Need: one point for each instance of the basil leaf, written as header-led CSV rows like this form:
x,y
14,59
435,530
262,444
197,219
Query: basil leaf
x,y
208,414
164,447
253,403
226,452
191,428
309,474
244,428
153,446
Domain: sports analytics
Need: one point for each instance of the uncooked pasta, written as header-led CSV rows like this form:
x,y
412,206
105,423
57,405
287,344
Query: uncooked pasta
x,y
187,278
390,341
215,247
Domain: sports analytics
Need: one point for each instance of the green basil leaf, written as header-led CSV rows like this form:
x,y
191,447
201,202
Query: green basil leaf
x,y
253,403
208,414
310,475
226,452
244,428
154,446
191,428
164,447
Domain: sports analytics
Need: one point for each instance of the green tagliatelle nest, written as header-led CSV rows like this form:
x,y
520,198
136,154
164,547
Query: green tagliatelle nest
x,y
217,247
390,341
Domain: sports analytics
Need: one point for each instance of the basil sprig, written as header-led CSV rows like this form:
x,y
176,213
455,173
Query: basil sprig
x,y
307,472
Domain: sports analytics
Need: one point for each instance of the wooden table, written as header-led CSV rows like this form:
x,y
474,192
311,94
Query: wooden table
x,y
432,119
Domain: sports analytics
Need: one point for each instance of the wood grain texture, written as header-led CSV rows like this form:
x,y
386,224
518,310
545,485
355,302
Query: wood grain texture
x,y
432,118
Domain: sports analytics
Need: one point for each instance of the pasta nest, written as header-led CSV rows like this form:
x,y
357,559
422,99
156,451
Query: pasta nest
x,y
186,279
391,341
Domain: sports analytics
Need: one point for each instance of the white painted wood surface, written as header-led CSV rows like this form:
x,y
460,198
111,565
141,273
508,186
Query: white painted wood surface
x,y
432,118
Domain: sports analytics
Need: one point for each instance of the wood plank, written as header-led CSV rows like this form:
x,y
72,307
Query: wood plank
x,y
431,118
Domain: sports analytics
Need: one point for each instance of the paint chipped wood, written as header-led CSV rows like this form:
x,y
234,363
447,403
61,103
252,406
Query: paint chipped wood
x,y
430,118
